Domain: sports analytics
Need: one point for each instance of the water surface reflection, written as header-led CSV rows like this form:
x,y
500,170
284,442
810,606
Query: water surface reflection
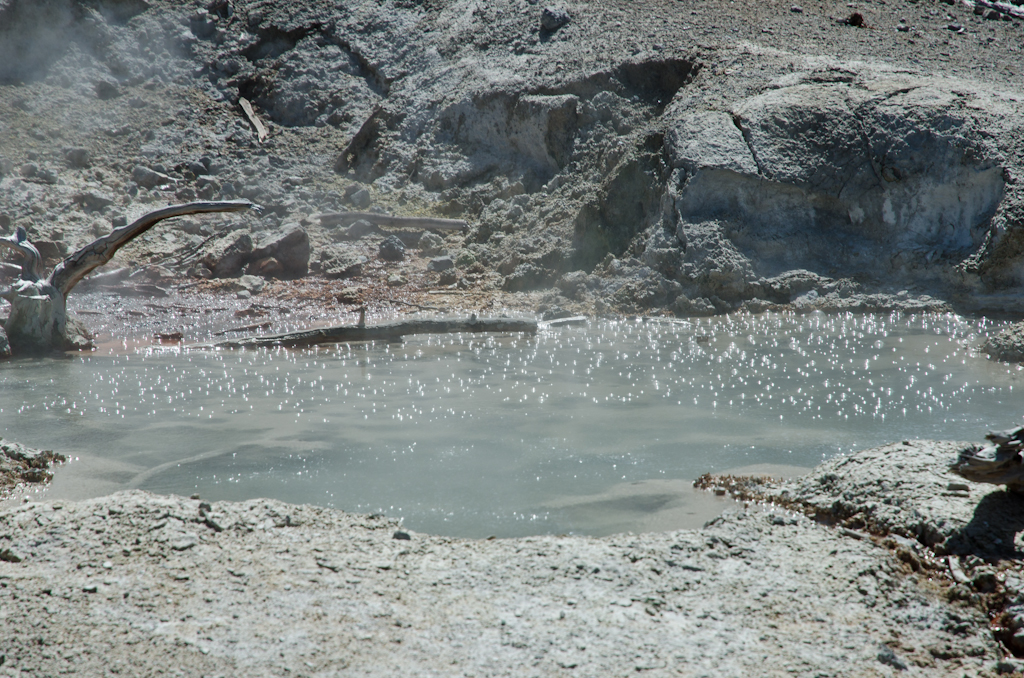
x,y
580,429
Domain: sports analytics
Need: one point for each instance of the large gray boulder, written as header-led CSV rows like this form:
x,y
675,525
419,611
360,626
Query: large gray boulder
x,y
879,174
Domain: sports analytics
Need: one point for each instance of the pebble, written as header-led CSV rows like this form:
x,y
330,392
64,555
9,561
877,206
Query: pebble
x,y
440,263
106,89
360,199
392,249
78,157
361,228
553,18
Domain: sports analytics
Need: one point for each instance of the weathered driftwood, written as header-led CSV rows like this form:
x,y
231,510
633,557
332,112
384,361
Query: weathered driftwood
x,y
333,218
38,321
385,331
254,120
1001,463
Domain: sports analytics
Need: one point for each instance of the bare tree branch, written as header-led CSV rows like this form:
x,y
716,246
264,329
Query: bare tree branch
x,y
32,264
69,272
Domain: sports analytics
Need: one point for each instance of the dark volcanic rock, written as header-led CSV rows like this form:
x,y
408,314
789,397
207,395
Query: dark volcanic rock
x,y
392,249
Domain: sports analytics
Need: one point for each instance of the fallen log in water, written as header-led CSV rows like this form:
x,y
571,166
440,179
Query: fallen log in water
x,y
393,330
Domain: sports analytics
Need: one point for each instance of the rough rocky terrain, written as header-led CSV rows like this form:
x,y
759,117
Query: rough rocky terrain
x,y
665,157
1007,344
618,157
21,466
139,584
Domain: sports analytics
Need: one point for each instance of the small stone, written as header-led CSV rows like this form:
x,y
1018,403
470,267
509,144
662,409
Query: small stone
x,y
148,178
265,267
184,543
985,581
95,200
396,280
47,175
553,18
392,249
90,588
465,258
361,228
430,243
448,277
440,264
9,556
350,295
887,656
361,199
796,9
78,157
28,170
106,89
290,246
401,535
243,294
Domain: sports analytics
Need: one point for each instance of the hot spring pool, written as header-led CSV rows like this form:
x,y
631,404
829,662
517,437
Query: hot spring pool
x,y
588,429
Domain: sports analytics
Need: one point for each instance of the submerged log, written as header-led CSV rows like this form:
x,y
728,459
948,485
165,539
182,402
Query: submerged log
x,y
390,331
1001,463
38,321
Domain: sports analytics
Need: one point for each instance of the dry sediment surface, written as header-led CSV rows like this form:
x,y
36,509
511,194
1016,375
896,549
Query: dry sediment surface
x,y
140,584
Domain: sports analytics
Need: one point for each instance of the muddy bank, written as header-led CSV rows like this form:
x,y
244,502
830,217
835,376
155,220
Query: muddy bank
x,y
149,585
22,466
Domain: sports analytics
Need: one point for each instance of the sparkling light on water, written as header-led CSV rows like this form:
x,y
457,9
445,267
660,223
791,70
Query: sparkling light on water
x,y
479,434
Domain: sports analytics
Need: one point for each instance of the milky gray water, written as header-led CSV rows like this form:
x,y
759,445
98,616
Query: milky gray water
x,y
578,429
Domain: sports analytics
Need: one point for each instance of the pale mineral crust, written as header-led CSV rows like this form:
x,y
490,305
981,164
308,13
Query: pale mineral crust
x,y
140,584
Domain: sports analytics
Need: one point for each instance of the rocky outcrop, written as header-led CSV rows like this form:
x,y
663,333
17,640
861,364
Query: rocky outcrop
x,y
1007,344
563,136
20,465
887,176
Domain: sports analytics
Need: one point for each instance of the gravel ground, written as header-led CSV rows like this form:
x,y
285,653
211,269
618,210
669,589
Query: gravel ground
x,y
138,584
